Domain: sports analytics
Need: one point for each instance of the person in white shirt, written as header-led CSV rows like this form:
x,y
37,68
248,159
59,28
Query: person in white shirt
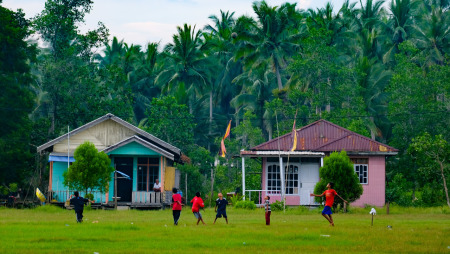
x,y
157,186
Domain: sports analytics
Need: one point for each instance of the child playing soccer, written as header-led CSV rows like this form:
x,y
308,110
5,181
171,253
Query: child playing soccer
x,y
221,208
176,206
329,200
197,203
78,203
267,208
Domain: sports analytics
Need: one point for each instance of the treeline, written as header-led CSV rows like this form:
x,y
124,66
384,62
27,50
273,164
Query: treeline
x,y
380,71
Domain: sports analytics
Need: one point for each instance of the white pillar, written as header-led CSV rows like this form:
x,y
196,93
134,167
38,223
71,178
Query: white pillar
x,y
243,178
321,161
282,179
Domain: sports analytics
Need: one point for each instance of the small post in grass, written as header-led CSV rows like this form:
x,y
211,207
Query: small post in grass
x,y
373,212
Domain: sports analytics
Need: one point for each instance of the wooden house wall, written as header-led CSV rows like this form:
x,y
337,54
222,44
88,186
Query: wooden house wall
x,y
102,135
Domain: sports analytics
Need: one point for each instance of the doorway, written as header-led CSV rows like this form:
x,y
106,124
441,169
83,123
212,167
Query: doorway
x,y
124,186
309,176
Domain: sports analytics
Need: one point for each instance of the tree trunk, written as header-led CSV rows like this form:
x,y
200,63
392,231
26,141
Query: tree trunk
x,y
52,127
212,186
372,132
277,72
445,182
185,183
210,117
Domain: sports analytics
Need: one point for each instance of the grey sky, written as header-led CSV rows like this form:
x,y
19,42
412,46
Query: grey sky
x,y
143,21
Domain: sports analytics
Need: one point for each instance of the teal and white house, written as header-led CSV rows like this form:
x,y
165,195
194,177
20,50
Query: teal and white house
x,y
134,152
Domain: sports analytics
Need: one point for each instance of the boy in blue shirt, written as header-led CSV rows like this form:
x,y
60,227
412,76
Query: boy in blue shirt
x,y
221,208
78,203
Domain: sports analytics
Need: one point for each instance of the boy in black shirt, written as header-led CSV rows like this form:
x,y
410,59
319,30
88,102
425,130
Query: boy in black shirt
x,y
221,208
78,203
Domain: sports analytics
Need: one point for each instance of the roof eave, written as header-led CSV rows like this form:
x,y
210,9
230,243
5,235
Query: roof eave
x,y
142,142
117,120
372,153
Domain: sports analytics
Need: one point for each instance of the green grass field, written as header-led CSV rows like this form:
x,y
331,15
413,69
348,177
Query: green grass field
x,y
53,230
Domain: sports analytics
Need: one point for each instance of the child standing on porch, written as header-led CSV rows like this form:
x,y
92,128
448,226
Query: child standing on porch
x,y
197,203
176,206
329,200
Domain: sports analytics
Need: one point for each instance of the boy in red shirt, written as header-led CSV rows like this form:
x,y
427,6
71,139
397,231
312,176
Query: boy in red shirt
x,y
329,200
176,206
197,203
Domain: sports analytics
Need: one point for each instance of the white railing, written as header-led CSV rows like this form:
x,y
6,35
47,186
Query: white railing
x,y
147,197
261,194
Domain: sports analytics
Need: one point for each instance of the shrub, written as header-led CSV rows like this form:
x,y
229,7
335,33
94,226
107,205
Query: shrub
x,y
277,206
432,196
236,198
89,196
245,204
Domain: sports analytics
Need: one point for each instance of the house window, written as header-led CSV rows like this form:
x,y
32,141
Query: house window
x,y
142,178
361,166
273,179
292,179
148,172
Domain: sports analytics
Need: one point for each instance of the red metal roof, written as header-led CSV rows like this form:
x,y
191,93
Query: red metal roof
x,y
324,136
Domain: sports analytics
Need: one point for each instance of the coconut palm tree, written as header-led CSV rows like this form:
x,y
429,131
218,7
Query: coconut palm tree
x,y
257,91
142,79
432,31
400,24
113,53
186,64
274,36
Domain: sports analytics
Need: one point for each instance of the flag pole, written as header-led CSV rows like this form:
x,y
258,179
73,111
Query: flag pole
x,y
281,164
68,158
294,147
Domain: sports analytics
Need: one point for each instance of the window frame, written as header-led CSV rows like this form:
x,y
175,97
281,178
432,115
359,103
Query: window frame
x,y
147,168
276,189
361,166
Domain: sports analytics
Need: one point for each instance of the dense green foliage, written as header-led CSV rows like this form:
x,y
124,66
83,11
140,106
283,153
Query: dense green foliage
x,y
432,155
338,168
91,170
380,70
16,99
171,122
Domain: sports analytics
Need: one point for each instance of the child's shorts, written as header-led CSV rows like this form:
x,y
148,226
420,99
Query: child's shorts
x,y
221,213
327,210
198,215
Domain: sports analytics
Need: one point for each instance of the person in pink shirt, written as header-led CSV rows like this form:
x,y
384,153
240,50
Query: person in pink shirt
x,y
176,206
197,203
329,200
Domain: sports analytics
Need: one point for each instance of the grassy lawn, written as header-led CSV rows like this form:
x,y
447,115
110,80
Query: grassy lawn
x,y
53,230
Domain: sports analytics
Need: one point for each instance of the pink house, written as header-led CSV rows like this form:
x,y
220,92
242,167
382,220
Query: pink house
x,y
301,166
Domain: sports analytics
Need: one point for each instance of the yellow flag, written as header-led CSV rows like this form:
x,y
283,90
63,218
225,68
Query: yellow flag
x,y
222,143
294,143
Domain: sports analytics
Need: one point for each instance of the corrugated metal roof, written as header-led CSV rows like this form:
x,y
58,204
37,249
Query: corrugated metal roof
x,y
324,136
284,153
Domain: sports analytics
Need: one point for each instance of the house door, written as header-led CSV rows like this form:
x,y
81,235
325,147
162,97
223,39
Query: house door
x,y
124,186
309,176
